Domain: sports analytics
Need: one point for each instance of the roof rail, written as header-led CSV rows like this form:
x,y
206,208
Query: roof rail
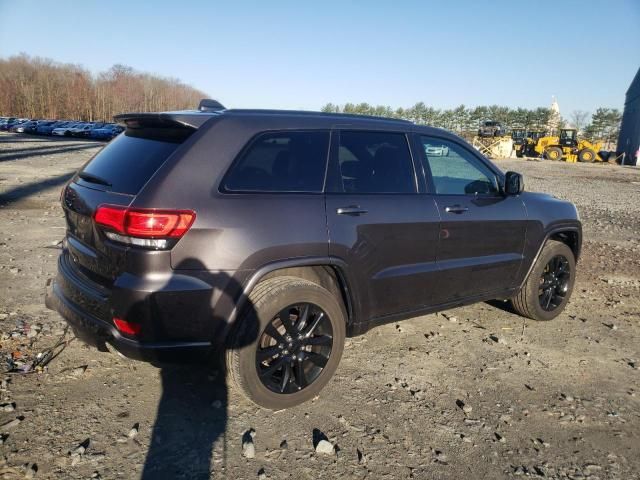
x,y
209,105
355,116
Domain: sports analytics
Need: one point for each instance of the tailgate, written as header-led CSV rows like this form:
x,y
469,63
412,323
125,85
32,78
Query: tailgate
x,y
113,177
95,258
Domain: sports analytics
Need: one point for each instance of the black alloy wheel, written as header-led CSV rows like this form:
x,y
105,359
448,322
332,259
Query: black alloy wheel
x,y
294,348
554,283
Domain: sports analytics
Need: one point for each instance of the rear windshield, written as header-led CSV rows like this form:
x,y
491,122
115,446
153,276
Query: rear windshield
x,y
129,161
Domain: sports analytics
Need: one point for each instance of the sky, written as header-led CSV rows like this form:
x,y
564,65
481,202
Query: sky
x,y
301,55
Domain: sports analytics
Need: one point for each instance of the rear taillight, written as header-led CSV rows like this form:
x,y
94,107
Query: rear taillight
x,y
111,217
126,327
144,227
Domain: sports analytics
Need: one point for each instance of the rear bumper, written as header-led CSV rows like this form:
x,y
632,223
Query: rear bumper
x,y
100,334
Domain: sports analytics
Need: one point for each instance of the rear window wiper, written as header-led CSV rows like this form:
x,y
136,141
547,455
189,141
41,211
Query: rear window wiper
x,y
93,179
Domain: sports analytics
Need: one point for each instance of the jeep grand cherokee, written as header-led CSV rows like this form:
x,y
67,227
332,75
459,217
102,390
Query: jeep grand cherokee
x,y
272,235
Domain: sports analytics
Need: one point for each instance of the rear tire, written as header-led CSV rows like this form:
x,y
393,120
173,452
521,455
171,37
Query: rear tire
x,y
553,153
255,335
586,155
532,301
519,154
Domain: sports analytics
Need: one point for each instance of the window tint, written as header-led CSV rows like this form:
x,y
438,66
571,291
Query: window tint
x,y
128,162
374,162
455,171
282,162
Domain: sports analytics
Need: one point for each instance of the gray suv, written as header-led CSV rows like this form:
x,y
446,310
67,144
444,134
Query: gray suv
x,y
267,237
490,129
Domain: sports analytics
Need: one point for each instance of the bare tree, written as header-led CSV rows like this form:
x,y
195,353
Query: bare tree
x,y
579,119
36,87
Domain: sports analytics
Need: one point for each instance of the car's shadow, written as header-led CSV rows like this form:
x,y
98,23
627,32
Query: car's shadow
x,y
502,305
20,192
191,418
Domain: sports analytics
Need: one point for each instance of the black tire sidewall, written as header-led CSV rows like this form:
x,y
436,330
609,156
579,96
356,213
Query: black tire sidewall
x,y
266,310
549,251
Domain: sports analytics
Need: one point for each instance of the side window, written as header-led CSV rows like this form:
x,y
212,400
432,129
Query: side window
x,y
374,162
281,162
454,170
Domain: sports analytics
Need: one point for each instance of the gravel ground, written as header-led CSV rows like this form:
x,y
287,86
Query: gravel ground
x,y
475,392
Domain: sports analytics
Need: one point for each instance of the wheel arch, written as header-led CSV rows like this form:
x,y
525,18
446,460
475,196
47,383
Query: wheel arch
x,y
571,238
570,235
328,272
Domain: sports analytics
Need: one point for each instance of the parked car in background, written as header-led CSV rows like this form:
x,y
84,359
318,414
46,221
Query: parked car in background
x,y
77,128
436,150
7,122
491,129
65,130
18,125
86,132
31,127
107,132
42,124
45,128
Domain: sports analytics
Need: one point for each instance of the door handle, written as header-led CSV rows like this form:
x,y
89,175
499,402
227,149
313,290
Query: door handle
x,y
351,210
456,209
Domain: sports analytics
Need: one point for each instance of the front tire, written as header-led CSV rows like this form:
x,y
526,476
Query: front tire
x,y
553,153
297,336
586,155
548,288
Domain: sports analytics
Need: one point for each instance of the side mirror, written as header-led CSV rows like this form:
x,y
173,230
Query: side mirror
x,y
513,183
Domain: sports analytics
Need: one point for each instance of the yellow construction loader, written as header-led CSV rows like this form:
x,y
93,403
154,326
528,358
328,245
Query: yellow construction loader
x,y
518,136
568,147
527,149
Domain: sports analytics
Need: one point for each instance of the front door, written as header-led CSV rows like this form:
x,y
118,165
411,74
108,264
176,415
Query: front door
x,y
379,224
482,231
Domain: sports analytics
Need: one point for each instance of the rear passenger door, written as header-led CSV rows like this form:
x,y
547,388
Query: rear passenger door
x,y
272,205
482,232
378,221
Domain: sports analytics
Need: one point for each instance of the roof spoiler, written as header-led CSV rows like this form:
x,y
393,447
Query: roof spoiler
x,y
209,105
164,119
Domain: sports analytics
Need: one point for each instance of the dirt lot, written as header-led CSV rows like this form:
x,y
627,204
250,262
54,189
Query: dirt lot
x,y
554,400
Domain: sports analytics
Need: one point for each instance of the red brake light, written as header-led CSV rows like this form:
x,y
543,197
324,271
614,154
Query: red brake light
x,y
129,328
145,223
112,217
158,223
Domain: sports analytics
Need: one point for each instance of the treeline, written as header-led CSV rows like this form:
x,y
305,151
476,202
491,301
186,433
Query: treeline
x,y
36,87
604,124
